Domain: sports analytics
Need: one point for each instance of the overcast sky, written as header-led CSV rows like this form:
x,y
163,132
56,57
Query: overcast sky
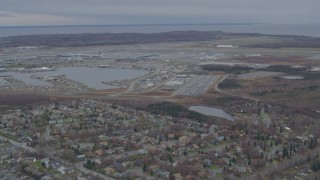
x,y
92,12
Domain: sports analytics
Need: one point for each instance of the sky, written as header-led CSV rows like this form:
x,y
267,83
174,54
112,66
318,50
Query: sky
x,y
115,12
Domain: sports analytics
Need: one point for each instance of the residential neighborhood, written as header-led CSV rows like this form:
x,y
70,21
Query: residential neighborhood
x,y
88,139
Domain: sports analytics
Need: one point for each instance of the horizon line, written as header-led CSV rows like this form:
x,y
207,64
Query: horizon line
x,y
97,25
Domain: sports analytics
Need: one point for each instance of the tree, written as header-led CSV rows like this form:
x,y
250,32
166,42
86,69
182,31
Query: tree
x,y
315,166
90,164
68,155
45,116
171,176
170,159
285,152
312,143
281,129
144,167
185,152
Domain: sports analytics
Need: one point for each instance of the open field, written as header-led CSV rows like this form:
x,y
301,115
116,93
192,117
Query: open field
x,y
257,75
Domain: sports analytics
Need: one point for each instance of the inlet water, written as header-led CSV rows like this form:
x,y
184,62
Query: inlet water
x,y
92,77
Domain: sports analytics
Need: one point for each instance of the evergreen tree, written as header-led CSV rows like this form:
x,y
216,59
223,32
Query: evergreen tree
x,y
144,167
285,152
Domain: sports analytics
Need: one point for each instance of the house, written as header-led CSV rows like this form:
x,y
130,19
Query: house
x,y
99,152
104,143
81,157
171,136
220,138
177,176
86,146
62,170
110,151
213,129
46,177
142,151
153,140
55,166
110,170
169,144
183,140
154,168
195,146
240,169
163,174
65,170
119,150
97,160
27,159
207,162
127,164
203,136
239,149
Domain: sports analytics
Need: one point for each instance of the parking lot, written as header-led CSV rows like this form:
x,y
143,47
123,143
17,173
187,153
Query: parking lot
x,y
197,85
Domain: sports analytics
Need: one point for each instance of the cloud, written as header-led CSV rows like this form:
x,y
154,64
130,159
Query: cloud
x,y
166,11
6,14
23,19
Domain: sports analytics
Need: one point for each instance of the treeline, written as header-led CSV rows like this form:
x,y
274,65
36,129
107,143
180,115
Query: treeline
x,y
312,76
315,166
21,99
174,110
290,42
301,71
229,84
226,68
285,69
223,101
94,39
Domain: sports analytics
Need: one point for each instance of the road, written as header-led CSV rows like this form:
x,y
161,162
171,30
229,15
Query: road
x,y
77,166
132,84
18,144
222,78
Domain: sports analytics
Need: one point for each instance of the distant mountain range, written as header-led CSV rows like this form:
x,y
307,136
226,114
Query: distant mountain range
x,y
96,39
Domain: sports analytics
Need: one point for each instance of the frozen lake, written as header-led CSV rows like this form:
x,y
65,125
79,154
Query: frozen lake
x,y
209,111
